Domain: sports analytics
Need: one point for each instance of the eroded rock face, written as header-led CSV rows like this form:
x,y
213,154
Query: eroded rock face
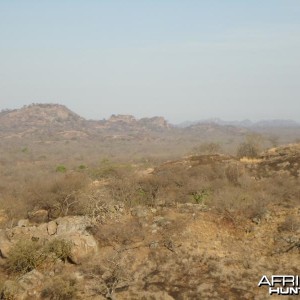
x,y
71,228
5,244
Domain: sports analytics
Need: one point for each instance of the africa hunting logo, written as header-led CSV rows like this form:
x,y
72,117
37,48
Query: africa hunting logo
x,y
281,284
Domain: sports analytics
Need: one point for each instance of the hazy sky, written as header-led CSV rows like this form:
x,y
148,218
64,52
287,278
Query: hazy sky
x,y
183,59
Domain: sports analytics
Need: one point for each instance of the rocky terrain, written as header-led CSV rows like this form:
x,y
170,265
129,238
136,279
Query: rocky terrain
x,y
208,227
130,208
54,119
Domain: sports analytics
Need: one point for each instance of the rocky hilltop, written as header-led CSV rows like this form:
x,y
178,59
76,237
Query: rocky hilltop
x,y
56,120
39,115
129,122
40,120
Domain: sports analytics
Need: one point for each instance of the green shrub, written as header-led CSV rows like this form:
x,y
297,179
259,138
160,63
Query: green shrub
x,y
24,150
82,167
61,169
200,197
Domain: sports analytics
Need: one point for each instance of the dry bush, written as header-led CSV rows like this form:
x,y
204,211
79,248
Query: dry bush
x,y
290,224
133,190
110,169
285,190
125,190
247,150
61,249
109,277
180,275
58,195
27,255
233,173
108,235
61,288
207,148
9,290
95,202
209,172
13,208
237,202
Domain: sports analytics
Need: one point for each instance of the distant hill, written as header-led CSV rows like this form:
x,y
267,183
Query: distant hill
x,y
55,122
40,120
39,115
277,123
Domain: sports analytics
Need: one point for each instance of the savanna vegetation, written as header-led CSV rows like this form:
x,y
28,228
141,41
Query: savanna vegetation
x,y
172,217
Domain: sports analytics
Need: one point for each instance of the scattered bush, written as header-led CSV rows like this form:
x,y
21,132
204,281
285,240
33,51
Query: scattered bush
x,y
201,196
290,224
58,195
60,248
27,255
251,147
61,288
207,148
233,173
247,150
9,290
61,169
82,167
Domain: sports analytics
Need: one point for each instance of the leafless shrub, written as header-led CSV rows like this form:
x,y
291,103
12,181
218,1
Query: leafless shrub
x,y
233,173
59,195
232,201
290,224
61,288
27,255
247,150
126,234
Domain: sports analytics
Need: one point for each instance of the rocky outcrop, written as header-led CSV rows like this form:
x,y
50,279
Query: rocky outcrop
x,y
71,228
155,123
25,287
5,244
283,160
122,118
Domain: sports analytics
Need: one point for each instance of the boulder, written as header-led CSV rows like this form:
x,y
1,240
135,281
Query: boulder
x,y
52,227
31,280
23,223
72,224
83,246
5,244
70,228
